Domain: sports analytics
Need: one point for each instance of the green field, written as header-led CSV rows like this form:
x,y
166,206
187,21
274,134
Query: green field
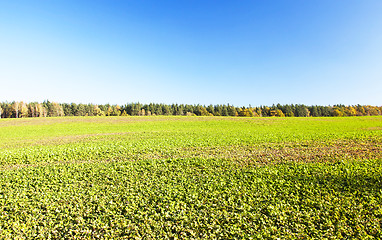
x,y
191,178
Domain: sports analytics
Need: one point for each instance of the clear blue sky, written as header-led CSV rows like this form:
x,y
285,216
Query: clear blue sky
x,y
321,52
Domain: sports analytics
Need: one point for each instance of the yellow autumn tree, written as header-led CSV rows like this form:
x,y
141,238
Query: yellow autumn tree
x,y
40,110
337,112
142,112
204,112
23,110
109,111
15,108
350,111
279,113
97,111
245,112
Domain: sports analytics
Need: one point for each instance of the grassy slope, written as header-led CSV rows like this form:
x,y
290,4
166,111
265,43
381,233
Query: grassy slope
x,y
158,177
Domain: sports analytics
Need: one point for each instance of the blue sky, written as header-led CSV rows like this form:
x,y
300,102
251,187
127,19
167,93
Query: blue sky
x,y
320,52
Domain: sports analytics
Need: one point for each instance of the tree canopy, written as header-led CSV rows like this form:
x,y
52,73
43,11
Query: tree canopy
x,y
54,109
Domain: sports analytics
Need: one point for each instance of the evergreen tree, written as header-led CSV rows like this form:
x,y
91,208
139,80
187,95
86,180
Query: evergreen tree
x,y
74,109
81,110
166,110
210,109
314,111
232,111
224,111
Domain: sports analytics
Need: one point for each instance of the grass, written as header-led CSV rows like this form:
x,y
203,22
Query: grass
x,y
191,178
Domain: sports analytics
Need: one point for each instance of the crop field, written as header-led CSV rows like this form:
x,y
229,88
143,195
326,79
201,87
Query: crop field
x,y
191,178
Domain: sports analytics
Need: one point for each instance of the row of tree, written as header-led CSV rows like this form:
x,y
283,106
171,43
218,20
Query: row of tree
x,y
53,109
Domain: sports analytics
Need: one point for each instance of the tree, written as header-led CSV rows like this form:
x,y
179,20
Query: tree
x,y
166,110
81,110
97,111
158,110
74,109
31,110
218,110
279,113
224,111
210,109
360,110
67,109
109,111
302,111
142,112
258,112
232,111
266,111
371,111
337,112
245,112
204,112
55,110
23,109
40,110
116,111
288,111
177,109
16,107
314,111
350,111
135,108
325,111
48,106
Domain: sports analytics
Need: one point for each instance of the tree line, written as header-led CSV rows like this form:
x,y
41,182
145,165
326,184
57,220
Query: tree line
x,y
53,109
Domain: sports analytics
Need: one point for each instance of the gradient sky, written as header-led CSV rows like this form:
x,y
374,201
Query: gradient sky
x,y
320,52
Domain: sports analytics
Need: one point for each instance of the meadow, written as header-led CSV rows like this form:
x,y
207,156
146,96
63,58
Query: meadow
x,y
191,178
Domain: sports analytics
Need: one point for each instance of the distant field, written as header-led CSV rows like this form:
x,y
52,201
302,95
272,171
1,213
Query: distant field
x,y
191,177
